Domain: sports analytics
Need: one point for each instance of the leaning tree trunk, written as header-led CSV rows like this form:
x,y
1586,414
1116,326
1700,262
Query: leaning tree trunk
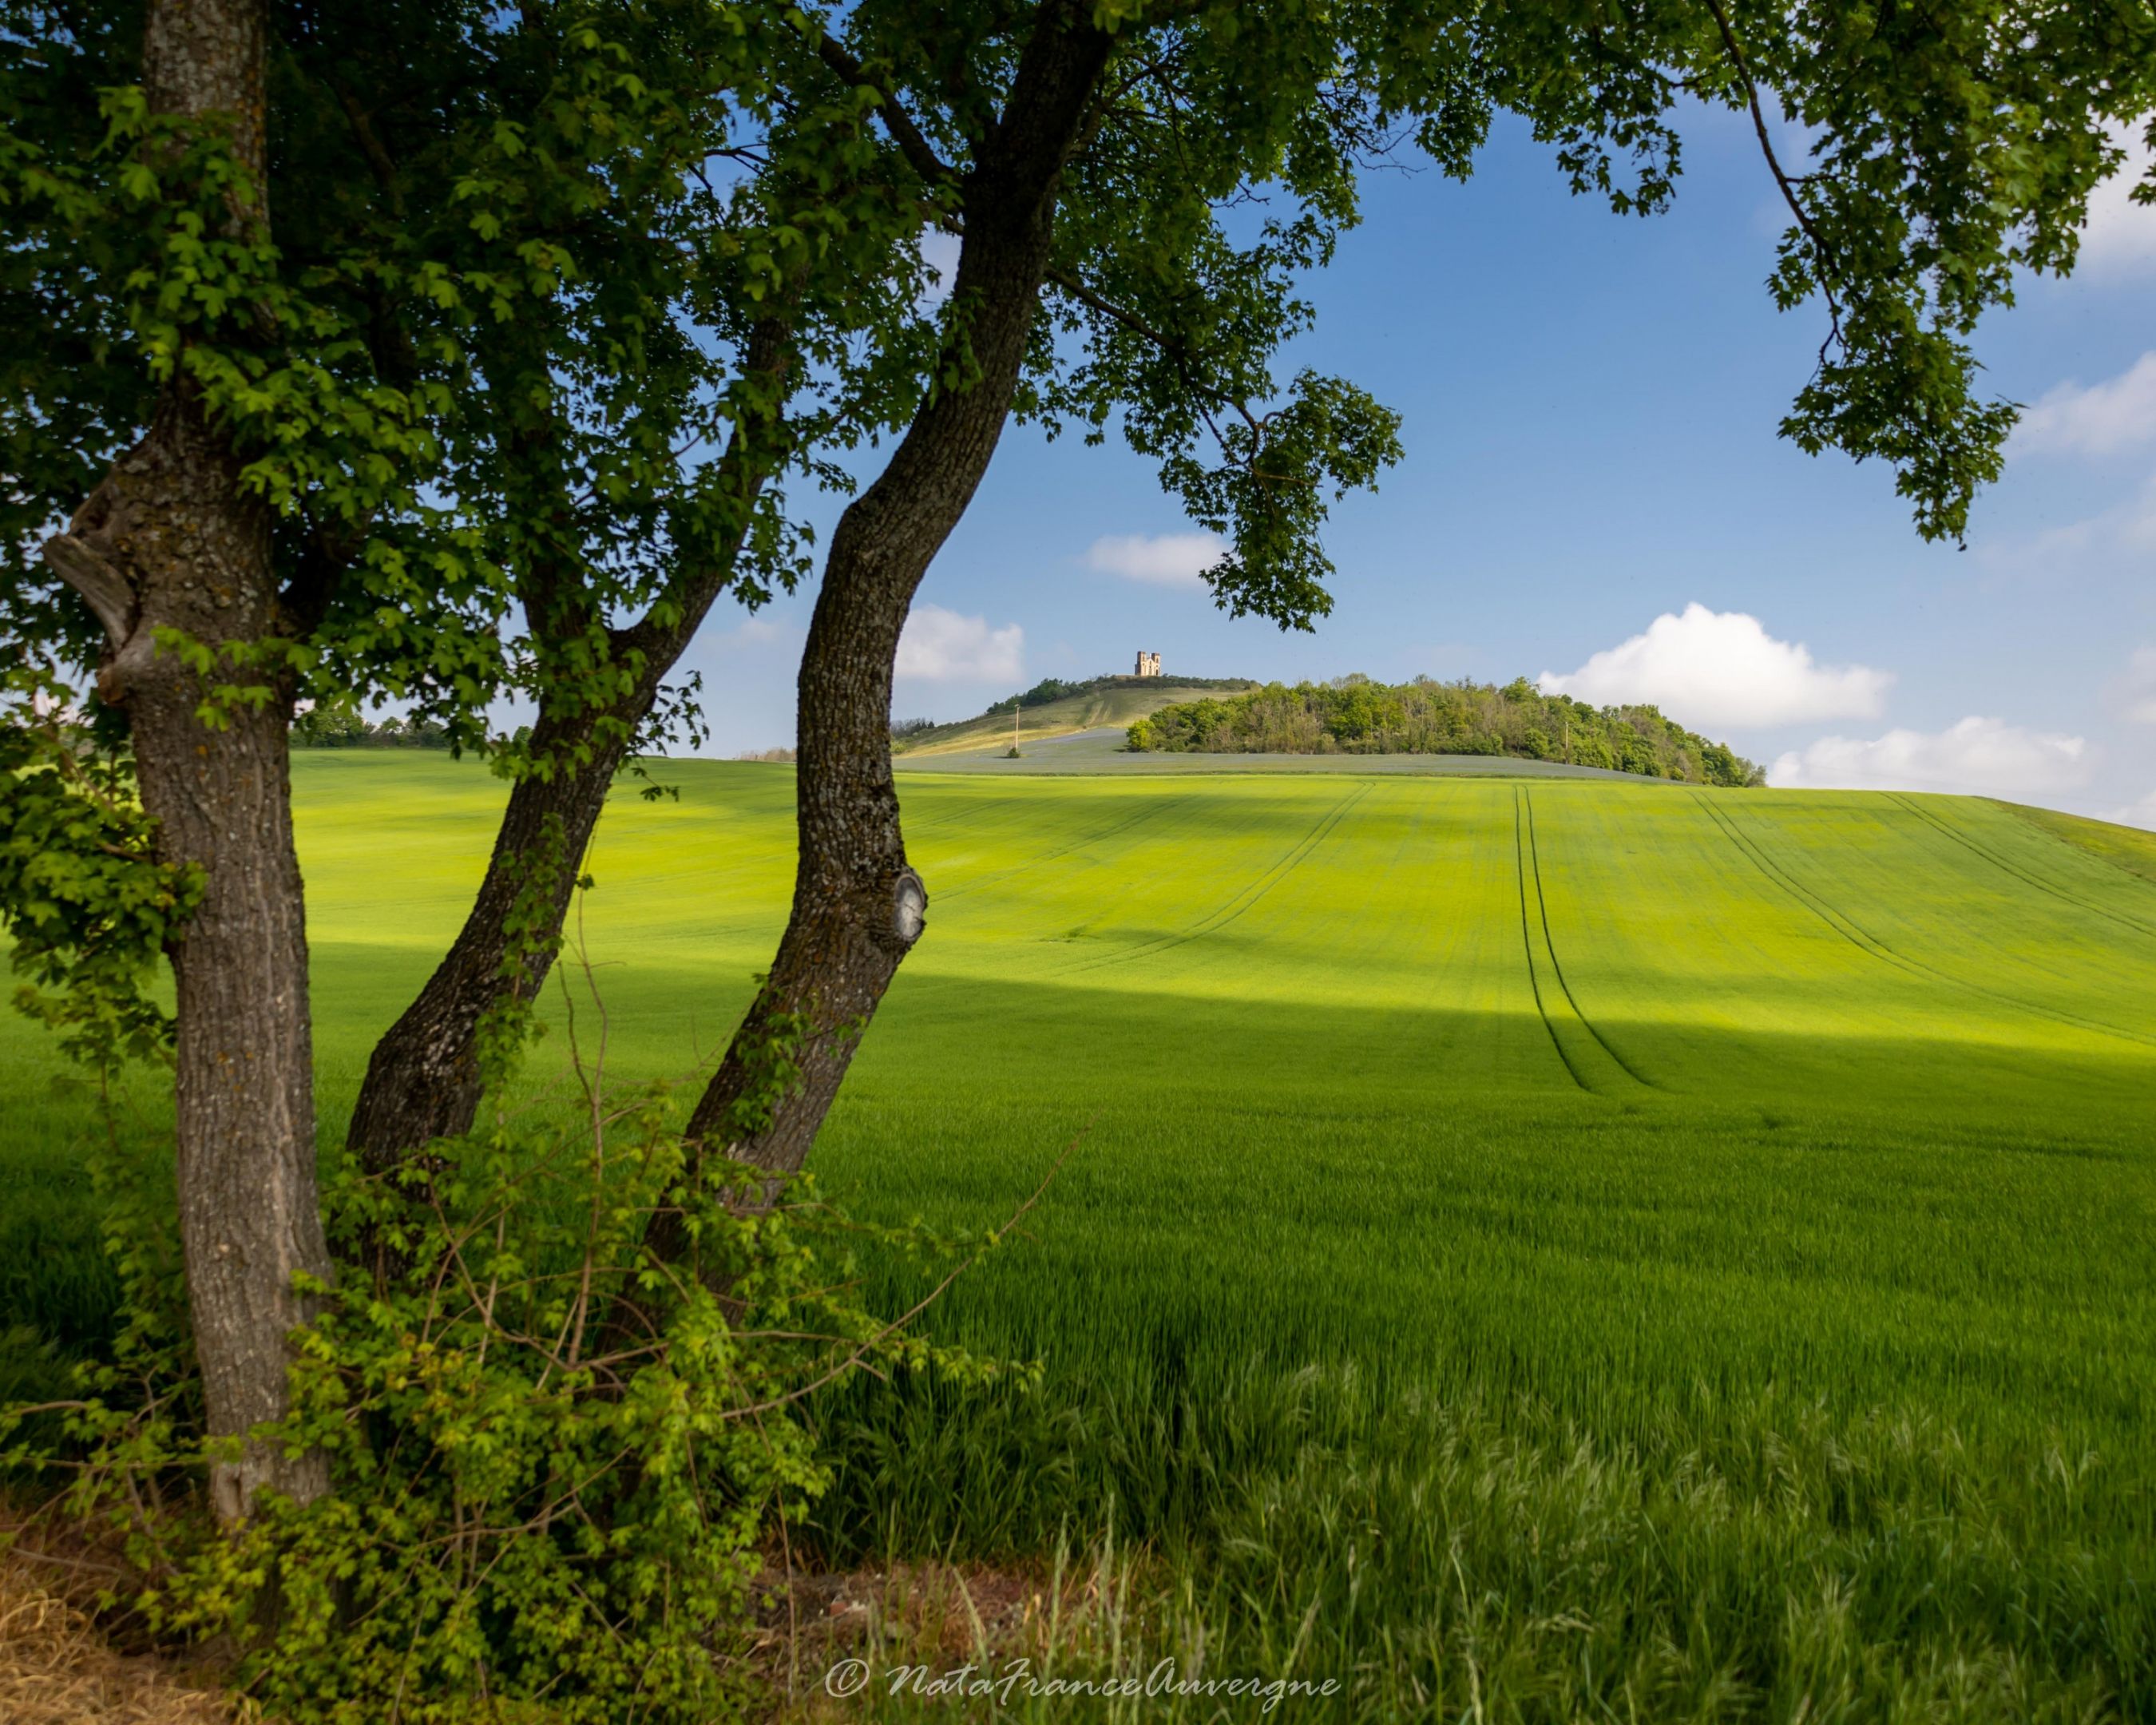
x,y
857,906
424,1078
170,540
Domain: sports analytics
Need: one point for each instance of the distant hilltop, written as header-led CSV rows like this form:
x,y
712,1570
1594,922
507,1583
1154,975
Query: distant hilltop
x,y
1054,707
1347,715
1354,715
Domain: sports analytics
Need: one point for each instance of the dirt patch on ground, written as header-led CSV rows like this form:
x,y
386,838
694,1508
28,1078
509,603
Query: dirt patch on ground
x,y
925,1608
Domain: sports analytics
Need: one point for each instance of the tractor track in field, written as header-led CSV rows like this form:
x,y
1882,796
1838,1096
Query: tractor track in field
x,y
2041,886
1523,848
1527,952
1870,944
1150,812
1271,876
1549,943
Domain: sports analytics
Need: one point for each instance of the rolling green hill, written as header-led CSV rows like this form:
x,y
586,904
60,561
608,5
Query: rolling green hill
x,y
1112,700
1549,1248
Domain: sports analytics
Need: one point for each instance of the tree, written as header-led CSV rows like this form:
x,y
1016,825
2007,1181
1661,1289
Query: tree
x,y
743,320
1104,163
172,550
512,300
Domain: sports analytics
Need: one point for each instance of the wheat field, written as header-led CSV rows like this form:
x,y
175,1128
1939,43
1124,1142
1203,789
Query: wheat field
x,y
1534,1248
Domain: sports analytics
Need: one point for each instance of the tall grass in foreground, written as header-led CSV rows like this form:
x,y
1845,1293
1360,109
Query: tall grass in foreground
x,y
1458,1557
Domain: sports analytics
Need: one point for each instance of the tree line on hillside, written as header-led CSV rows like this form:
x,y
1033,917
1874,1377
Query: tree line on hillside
x,y
1355,716
338,728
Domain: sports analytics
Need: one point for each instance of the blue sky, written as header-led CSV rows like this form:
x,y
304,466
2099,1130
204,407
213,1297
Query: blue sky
x,y
1594,489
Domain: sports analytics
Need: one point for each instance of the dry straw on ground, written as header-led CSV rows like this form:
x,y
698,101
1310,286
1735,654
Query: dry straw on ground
x,y
55,1669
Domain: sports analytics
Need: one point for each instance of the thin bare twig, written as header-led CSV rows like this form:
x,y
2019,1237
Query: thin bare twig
x,y
1825,252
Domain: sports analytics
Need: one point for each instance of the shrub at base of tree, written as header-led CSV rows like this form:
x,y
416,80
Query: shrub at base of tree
x,y
558,1457
1354,716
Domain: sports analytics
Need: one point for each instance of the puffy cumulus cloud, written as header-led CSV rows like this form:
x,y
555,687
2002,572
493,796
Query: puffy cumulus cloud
x,y
941,646
2120,236
2133,696
2099,420
1979,756
1718,668
1162,559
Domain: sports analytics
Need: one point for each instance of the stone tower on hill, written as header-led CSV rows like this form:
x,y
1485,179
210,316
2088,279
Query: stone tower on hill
x,y
1148,665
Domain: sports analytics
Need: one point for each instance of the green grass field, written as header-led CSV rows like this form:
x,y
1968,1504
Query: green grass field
x,y
1540,1248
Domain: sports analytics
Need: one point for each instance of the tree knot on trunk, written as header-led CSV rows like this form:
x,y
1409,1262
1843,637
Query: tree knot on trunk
x,y
908,915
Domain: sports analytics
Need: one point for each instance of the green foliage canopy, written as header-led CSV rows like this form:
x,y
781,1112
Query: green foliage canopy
x,y
545,305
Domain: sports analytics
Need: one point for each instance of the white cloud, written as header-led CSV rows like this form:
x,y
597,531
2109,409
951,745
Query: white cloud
x,y
2100,420
2133,696
941,646
2120,237
2141,813
1164,559
1979,757
1718,668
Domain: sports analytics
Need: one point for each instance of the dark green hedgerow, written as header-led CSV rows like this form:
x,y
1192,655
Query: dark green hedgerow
x,y
1354,716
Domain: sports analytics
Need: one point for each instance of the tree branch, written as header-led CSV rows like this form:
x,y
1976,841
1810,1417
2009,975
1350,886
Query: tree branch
x,y
1177,352
324,556
745,468
1108,308
912,144
1819,246
101,587
370,144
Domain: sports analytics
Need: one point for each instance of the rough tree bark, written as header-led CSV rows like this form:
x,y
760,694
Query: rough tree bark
x,y
424,1080
857,906
169,539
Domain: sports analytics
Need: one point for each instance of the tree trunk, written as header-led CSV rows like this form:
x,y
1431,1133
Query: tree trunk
x,y
169,540
857,906
250,1217
424,1078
